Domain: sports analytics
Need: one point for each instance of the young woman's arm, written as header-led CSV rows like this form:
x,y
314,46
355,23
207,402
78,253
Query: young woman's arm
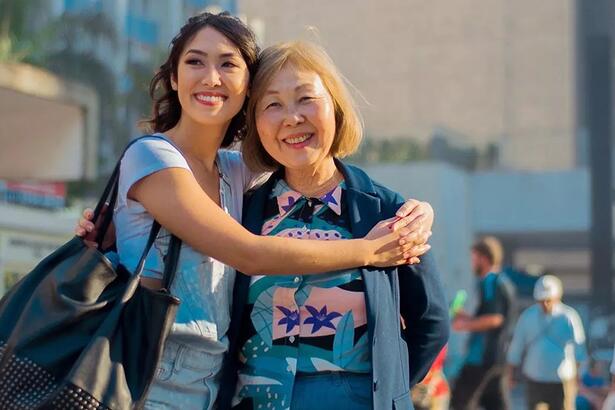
x,y
175,199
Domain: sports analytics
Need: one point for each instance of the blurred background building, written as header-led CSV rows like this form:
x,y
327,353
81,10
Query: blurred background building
x,y
497,112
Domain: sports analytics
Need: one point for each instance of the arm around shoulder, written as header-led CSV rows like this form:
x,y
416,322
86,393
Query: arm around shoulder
x,y
175,199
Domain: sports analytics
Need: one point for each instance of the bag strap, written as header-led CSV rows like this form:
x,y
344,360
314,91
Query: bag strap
x,y
153,234
110,193
170,262
109,197
170,259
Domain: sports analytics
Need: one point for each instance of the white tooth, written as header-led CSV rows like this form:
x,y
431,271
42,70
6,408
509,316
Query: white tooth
x,y
209,98
298,140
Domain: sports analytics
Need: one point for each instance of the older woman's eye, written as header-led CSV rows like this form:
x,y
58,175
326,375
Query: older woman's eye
x,y
272,105
229,64
306,98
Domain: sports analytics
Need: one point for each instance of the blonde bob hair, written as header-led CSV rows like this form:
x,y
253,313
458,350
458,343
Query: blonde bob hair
x,y
304,56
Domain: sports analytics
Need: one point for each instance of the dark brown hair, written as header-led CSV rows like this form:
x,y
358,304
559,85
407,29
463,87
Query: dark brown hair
x,y
166,109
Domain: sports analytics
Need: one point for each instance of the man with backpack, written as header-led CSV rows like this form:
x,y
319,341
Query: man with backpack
x,y
481,381
549,344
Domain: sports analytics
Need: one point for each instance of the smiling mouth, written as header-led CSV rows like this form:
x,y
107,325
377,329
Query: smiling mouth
x,y
210,99
298,139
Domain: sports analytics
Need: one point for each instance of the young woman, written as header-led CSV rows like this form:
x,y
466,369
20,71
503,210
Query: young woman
x,y
349,339
182,180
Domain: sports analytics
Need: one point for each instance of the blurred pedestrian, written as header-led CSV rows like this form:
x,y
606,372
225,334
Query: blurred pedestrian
x,y
433,393
481,379
548,344
609,403
593,386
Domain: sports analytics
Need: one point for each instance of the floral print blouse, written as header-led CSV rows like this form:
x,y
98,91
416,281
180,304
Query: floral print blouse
x,y
309,323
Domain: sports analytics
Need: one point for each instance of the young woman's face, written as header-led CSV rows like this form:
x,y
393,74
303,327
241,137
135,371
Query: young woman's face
x,y
295,119
212,78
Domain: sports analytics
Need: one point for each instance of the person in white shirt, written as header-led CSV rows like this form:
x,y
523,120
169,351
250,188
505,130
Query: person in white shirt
x,y
548,344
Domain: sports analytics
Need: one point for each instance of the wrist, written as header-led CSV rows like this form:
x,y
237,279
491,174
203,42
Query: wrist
x,y
364,254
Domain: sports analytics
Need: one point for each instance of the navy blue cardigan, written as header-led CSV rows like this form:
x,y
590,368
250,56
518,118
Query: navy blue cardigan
x,y
400,358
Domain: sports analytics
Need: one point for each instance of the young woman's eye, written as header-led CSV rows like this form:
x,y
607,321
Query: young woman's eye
x,y
193,61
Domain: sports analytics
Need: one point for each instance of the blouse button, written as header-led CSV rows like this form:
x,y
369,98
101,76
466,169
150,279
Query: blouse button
x,y
297,279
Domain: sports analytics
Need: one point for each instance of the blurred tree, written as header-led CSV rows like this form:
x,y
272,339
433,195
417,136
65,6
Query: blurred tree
x,y
69,50
400,149
16,36
66,45
136,99
74,46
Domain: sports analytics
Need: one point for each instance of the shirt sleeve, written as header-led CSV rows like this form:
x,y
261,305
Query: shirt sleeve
x,y
145,157
517,345
580,352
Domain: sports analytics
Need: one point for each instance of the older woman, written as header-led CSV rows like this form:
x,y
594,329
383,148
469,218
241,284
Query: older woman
x,y
349,339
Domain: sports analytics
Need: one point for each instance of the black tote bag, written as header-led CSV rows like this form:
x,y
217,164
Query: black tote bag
x,y
77,333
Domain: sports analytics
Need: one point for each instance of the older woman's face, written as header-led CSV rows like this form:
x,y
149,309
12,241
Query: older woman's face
x,y
295,119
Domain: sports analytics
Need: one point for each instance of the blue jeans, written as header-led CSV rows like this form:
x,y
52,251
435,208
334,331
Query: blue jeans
x,y
332,390
187,379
